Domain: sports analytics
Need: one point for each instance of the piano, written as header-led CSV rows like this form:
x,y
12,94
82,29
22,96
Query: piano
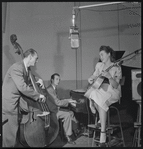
x,y
82,110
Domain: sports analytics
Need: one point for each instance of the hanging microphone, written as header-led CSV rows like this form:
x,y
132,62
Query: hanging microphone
x,y
74,34
74,40
74,37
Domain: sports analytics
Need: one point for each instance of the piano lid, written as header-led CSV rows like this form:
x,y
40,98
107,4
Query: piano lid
x,y
135,62
118,54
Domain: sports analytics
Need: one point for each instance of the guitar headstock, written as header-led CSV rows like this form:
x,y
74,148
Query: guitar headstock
x,y
118,63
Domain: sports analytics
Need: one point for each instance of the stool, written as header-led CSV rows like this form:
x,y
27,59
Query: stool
x,y
112,127
109,129
61,129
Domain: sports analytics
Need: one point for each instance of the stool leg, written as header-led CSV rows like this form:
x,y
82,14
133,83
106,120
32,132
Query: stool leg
x,y
96,117
93,138
108,131
121,129
139,128
109,136
139,134
135,138
88,138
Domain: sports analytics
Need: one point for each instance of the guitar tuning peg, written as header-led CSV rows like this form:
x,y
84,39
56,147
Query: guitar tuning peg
x,y
121,62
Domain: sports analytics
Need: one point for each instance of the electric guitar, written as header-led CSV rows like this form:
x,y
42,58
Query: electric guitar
x,y
99,80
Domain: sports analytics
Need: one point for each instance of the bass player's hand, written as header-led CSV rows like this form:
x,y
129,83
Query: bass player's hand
x,y
40,81
42,98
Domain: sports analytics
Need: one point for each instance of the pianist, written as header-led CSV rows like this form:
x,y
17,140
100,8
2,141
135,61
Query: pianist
x,y
67,116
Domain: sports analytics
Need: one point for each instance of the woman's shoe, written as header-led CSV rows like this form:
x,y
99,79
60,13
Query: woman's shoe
x,y
102,144
70,141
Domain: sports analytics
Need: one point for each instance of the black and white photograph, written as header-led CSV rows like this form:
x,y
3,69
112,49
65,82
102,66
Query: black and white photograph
x,y
71,74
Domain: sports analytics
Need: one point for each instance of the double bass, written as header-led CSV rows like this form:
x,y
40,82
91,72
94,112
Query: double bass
x,y
41,127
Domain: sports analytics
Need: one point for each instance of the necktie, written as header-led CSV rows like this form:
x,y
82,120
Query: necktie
x,y
56,91
28,75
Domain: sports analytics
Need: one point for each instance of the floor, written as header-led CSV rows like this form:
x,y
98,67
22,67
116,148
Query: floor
x,y
127,119
84,141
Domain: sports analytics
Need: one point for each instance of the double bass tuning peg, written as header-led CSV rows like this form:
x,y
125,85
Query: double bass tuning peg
x,y
18,52
17,47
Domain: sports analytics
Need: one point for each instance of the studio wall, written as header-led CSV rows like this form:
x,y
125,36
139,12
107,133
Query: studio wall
x,y
44,26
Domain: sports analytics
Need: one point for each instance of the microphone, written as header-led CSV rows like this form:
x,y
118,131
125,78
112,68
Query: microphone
x,y
74,37
74,34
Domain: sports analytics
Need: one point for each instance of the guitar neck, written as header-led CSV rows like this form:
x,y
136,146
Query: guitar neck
x,y
109,67
106,70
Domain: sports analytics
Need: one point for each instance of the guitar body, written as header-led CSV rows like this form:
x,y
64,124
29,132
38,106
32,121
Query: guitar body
x,y
99,81
94,86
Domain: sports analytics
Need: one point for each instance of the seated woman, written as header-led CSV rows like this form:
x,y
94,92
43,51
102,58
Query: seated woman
x,y
106,89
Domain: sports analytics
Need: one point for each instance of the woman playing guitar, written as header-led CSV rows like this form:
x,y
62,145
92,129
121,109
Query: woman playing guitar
x,y
105,88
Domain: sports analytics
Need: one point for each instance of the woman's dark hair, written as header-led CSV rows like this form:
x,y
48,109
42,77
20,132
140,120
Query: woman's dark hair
x,y
29,51
108,49
53,76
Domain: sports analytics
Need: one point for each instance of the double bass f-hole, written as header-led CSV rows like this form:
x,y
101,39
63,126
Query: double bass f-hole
x,y
33,119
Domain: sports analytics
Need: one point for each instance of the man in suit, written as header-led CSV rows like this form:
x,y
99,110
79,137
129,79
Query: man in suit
x,y
67,116
15,86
